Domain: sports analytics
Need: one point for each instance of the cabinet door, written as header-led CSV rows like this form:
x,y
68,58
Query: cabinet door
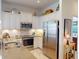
x,y
38,42
6,21
25,17
14,21
35,22
17,21
29,18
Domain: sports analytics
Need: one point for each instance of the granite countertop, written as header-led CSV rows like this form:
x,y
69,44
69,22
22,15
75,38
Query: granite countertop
x,y
30,36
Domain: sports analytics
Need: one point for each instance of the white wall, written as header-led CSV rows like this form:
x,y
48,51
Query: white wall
x,y
51,6
9,6
52,16
70,8
0,29
0,14
61,32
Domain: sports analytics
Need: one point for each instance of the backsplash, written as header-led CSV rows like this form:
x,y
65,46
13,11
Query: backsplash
x,y
12,33
19,33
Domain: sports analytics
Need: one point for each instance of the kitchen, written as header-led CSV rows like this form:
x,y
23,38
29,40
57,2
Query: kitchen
x,y
30,29
22,29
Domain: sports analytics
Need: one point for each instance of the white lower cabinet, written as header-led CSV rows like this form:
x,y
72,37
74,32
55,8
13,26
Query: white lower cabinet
x,y
38,42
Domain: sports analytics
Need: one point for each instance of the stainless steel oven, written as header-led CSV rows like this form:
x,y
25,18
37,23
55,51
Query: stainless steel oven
x,y
27,41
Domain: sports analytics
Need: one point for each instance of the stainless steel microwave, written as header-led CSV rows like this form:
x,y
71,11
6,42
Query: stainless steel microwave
x,y
26,25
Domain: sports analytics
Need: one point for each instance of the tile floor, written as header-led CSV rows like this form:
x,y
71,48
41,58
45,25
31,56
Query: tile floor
x,y
28,53
17,53
39,54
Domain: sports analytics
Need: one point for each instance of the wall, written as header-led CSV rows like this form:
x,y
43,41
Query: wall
x,y
0,18
50,6
53,16
0,15
70,8
9,6
78,32
1,54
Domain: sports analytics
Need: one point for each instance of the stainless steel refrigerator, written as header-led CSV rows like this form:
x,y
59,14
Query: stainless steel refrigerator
x,y
51,35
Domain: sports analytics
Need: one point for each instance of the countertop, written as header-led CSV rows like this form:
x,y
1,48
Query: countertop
x,y
30,36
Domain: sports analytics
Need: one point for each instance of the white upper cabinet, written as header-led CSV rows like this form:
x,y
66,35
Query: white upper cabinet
x,y
26,18
18,21
13,21
10,21
5,20
36,21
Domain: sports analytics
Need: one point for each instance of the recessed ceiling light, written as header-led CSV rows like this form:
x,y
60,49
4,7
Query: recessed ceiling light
x,y
38,1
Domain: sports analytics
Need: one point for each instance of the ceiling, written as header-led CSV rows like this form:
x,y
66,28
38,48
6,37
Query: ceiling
x,y
32,3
